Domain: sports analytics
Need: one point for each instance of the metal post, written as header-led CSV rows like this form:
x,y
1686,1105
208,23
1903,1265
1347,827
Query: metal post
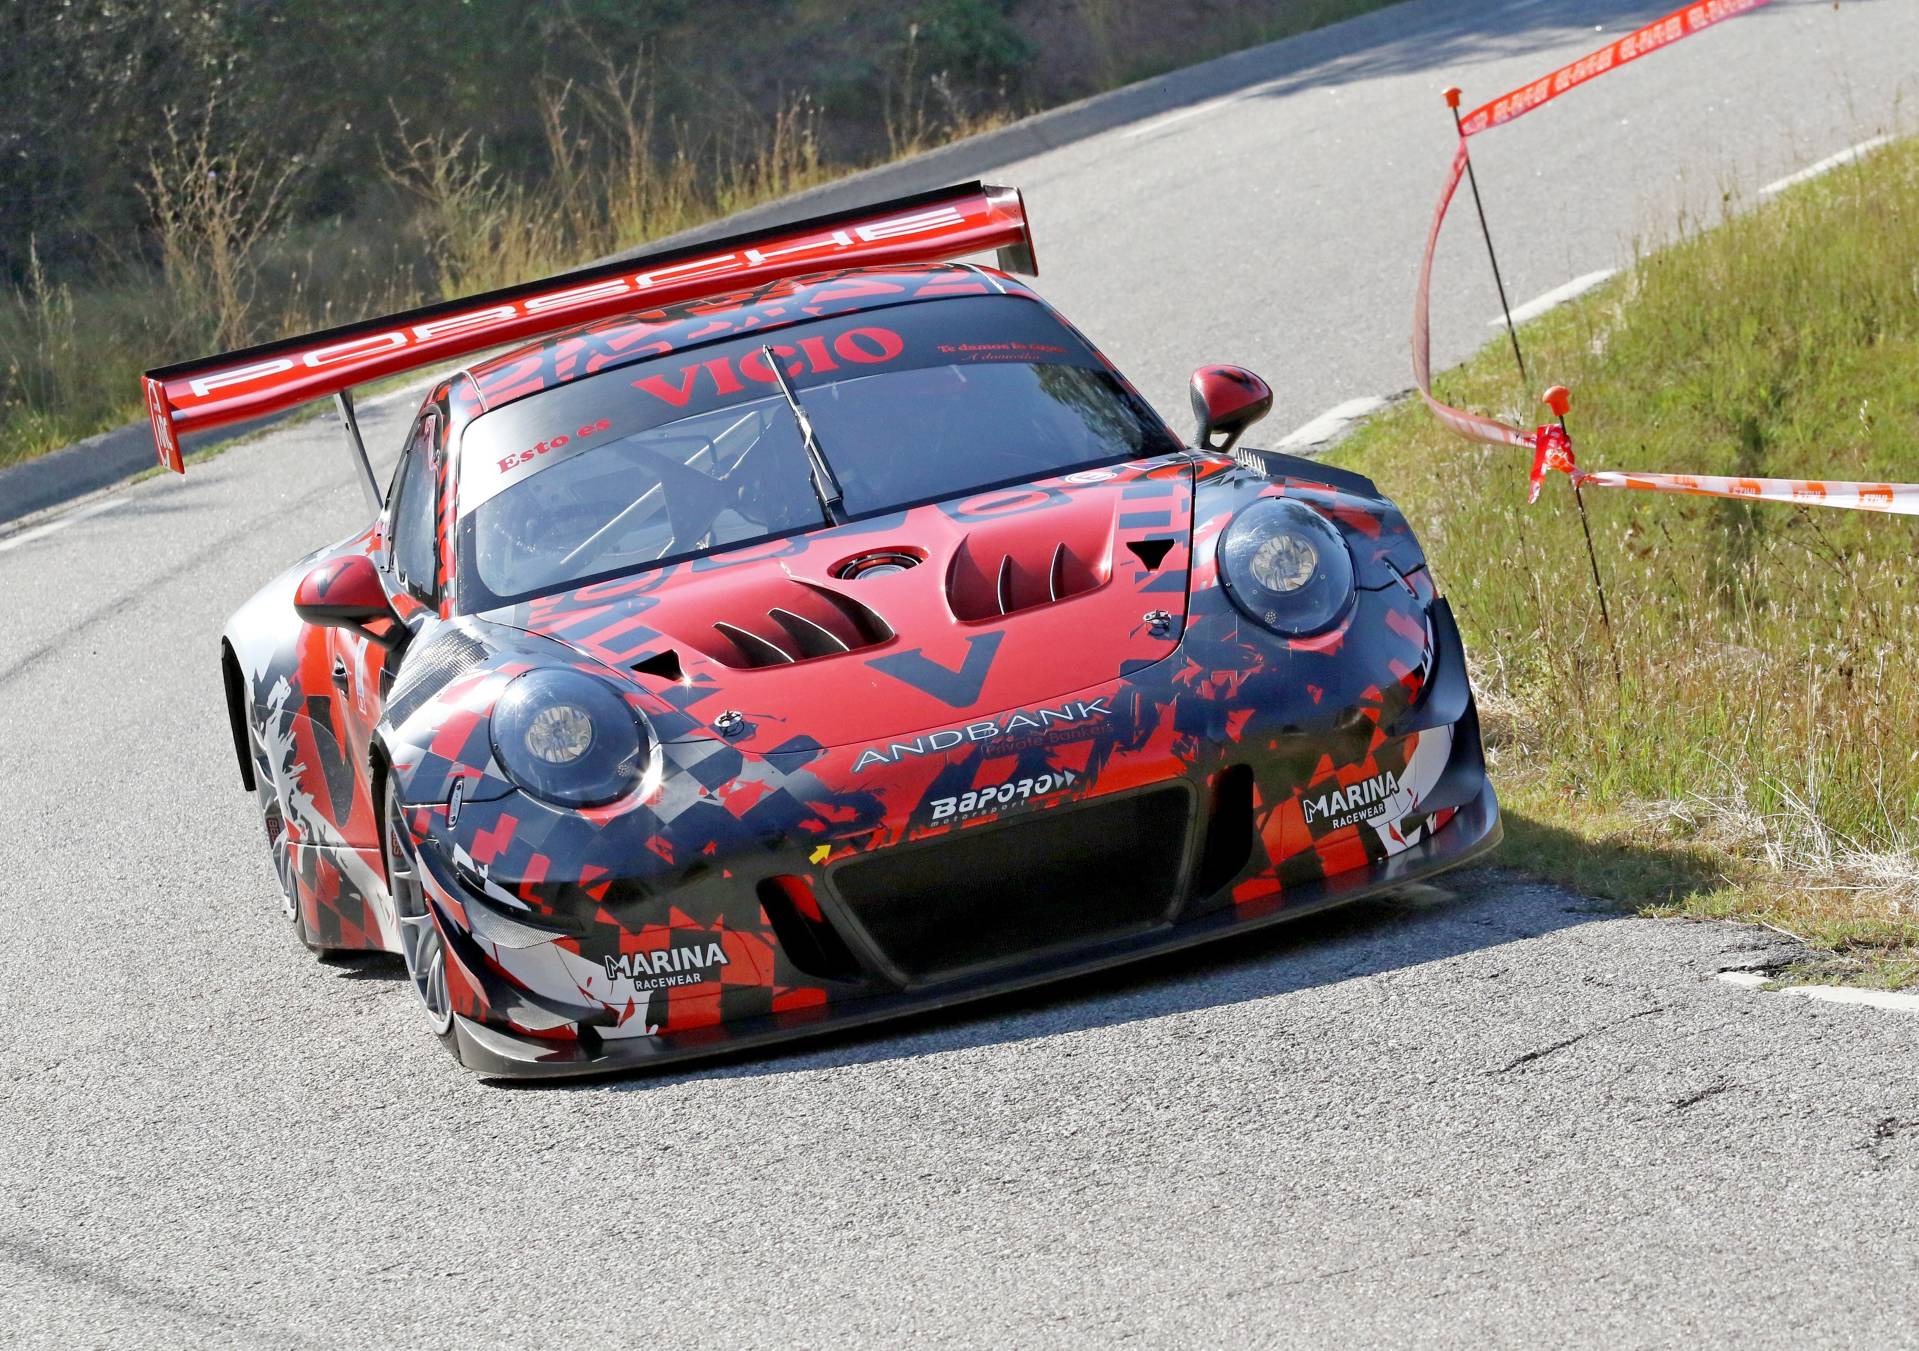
x,y
343,404
1559,401
1525,381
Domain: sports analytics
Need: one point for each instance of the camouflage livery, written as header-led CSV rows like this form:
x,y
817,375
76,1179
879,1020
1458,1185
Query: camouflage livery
x,y
1047,742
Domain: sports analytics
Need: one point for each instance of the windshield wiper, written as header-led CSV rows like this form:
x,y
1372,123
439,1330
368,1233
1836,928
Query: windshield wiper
x,y
825,486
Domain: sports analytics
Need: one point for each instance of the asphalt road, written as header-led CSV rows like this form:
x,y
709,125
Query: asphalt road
x,y
1508,1116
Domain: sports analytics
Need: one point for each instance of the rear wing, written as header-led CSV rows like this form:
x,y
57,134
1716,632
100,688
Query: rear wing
x,y
930,227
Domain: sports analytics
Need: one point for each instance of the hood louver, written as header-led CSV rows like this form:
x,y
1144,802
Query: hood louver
x,y
1005,598
808,621
983,584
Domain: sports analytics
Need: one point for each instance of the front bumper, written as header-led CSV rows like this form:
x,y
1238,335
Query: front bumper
x,y
756,898
1471,832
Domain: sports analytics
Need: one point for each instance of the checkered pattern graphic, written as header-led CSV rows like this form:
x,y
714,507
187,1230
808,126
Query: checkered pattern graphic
x,y
682,868
649,918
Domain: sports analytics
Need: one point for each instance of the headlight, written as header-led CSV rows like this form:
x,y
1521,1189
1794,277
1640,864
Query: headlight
x,y
1286,566
568,738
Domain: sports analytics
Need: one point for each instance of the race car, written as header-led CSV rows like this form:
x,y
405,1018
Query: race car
x,y
813,627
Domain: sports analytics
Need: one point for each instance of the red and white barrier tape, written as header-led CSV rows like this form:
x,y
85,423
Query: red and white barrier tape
x,y
1553,452
1472,426
1900,499
1681,23
1551,445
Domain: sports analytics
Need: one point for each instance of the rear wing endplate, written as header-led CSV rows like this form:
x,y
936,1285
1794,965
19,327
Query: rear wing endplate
x,y
930,227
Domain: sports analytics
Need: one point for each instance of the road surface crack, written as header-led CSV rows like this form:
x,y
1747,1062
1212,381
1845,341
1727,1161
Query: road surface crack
x,y
1541,1052
97,1283
1694,1099
1573,1040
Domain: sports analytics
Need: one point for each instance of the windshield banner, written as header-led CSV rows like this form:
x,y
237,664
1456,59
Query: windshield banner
x,y
511,444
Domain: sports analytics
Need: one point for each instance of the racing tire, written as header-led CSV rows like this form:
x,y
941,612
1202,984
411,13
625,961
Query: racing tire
x,y
422,947
280,854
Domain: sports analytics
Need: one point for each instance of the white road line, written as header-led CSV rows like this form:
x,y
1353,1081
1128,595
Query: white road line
x,y
1847,994
1825,165
1899,1000
1160,123
42,531
1554,298
1329,425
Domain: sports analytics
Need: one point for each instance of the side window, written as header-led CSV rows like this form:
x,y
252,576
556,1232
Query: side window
x,y
412,519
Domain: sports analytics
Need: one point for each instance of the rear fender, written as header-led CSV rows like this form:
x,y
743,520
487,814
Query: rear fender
x,y
236,693
269,658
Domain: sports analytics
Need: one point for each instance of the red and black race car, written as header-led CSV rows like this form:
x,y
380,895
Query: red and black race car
x,y
808,629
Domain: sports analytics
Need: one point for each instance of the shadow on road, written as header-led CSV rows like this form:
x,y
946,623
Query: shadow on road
x,y
1626,874
1478,909
1364,939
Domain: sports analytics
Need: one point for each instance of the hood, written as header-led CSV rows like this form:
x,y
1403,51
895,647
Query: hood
x,y
1003,600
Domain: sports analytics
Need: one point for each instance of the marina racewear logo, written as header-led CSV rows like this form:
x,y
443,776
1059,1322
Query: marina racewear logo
x,y
1344,806
1038,720
668,966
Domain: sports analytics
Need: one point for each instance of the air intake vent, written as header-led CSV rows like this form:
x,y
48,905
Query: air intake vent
x,y
446,657
1078,874
662,665
1150,552
1230,828
879,563
983,587
805,935
810,622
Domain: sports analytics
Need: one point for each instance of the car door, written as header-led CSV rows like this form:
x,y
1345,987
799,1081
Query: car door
x,y
364,671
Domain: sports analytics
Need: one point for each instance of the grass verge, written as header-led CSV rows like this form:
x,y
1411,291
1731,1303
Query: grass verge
x,y
1759,759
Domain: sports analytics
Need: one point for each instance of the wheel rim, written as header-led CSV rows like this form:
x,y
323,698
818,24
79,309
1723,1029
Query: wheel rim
x,y
279,847
421,946
284,871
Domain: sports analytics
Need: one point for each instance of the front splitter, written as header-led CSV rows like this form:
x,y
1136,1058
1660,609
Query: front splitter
x,y
1473,832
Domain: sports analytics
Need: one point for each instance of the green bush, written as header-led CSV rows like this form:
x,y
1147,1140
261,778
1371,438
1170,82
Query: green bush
x,y
974,39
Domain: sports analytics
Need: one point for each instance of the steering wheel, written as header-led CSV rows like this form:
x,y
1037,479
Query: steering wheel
x,y
694,500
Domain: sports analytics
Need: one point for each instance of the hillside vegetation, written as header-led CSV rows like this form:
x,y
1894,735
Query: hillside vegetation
x,y
1760,756
210,173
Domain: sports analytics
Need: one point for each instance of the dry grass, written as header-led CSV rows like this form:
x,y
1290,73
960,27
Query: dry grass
x,y
231,273
608,185
449,221
212,207
1766,730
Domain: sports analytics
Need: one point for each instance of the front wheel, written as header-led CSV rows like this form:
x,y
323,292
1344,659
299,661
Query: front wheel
x,y
421,946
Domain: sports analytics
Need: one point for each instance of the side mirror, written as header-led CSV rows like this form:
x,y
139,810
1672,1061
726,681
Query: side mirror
x,y
346,593
1226,401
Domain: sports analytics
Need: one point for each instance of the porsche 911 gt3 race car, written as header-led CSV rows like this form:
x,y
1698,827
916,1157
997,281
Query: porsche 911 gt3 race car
x,y
808,628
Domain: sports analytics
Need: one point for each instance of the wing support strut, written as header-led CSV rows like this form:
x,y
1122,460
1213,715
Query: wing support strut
x,y
343,404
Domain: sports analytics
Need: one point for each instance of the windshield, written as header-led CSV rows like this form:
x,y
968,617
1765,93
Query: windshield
x,y
698,450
